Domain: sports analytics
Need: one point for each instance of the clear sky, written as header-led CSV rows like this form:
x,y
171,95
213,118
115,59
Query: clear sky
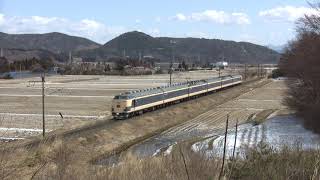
x,y
268,22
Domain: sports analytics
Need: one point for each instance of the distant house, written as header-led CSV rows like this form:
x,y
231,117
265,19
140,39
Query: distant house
x,y
148,57
166,66
56,69
127,67
77,60
222,64
139,68
111,65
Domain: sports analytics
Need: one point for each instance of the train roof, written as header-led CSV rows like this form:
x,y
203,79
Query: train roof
x,y
149,91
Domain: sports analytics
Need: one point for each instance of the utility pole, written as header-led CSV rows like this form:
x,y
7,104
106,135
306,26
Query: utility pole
x,y
224,147
171,69
20,70
220,76
140,56
43,115
170,75
124,53
43,107
172,60
235,140
245,71
70,57
171,66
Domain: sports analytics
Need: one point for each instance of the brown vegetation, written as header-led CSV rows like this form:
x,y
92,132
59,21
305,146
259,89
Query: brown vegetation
x,y
58,161
301,62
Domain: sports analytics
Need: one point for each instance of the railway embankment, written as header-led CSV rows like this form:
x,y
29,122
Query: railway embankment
x,y
253,107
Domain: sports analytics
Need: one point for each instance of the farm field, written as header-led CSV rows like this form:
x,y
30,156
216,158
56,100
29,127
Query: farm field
x,y
80,99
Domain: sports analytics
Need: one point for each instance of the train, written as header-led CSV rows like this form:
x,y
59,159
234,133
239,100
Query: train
x,y
133,103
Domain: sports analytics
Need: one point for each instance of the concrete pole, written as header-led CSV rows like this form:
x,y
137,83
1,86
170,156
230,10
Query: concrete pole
x,y
43,112
70,57
172,60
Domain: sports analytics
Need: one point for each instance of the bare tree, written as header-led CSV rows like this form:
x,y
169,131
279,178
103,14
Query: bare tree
x,y
301,62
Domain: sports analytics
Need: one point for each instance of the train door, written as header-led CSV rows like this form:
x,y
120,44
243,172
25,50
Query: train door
x,y
134,104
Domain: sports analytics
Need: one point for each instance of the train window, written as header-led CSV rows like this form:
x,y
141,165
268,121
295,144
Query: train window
x,y
134,102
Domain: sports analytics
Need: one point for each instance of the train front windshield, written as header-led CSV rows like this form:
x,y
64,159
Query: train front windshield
x,y
120,97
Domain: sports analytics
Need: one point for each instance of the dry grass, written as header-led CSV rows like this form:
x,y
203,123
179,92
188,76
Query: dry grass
x,y
180,165
58,161
264,162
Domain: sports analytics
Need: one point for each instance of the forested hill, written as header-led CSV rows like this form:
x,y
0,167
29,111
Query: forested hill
x,y
135,44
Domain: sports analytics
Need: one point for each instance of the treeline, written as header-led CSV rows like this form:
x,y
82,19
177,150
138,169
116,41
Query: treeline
x,y
114,66
121,63
301,62
25,65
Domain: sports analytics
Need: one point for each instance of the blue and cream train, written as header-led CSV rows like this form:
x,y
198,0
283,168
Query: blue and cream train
x,y
137,102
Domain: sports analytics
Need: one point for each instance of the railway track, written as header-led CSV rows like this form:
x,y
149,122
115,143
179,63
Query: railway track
x,y
210,121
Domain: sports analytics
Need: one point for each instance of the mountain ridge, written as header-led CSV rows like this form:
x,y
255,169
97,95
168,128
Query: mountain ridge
x,y
135,44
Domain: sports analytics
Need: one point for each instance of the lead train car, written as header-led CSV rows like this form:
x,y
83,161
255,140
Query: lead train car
x,y
133,103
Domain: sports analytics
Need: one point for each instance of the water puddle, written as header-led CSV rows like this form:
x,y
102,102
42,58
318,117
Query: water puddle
x,y
163,143
276,132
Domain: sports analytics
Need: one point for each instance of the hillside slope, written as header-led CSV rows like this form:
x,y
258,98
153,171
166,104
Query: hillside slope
x,y
22,54
54,42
